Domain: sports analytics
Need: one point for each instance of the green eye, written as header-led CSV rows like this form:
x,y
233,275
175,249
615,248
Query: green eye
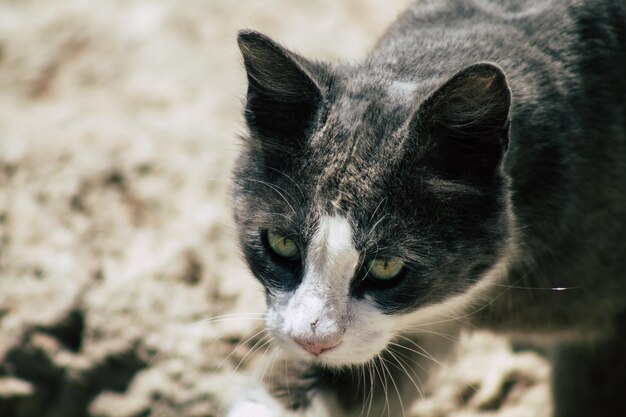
x,y
283,246
384,268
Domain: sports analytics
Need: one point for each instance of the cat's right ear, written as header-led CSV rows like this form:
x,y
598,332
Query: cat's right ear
x,y
463,127
284,90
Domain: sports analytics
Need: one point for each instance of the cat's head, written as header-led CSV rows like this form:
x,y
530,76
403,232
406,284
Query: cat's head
x,y
367,204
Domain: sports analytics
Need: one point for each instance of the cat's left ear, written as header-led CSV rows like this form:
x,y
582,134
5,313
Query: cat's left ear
x,y
284,90
463,127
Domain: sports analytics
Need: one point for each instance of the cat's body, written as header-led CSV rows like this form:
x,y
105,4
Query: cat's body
x,y
481,147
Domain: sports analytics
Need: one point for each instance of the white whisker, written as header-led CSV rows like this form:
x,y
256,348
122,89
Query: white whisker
x,y
239,345
406,371
395,386
277,190
251,352
226,317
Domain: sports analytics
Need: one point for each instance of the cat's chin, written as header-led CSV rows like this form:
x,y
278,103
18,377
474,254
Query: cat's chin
x,y
334,360
342,362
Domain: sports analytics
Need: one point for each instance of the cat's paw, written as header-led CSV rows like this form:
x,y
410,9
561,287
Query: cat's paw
x,y
249,408
258,403
270,408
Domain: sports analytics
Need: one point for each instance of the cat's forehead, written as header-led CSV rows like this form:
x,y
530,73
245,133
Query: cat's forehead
x,y
361,96
352,157
358,143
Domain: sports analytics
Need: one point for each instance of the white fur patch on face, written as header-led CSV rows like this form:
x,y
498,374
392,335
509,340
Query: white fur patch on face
x,y
332,256
323,298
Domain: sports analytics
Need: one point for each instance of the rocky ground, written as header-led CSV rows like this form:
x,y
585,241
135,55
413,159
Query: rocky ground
x,y
118,127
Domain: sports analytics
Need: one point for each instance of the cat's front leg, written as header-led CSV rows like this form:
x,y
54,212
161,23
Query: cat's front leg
x,y
257,400
257,405
285,387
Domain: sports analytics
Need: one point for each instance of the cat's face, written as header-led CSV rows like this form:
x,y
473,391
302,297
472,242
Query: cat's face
x,y
367,205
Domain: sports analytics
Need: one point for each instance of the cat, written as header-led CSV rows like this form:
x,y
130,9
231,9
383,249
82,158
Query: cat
x,y
470,169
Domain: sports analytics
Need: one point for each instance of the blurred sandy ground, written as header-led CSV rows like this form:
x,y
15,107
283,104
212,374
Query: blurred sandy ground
x,y
118,129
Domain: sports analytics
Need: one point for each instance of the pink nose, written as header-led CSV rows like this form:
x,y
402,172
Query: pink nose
x,y
317,347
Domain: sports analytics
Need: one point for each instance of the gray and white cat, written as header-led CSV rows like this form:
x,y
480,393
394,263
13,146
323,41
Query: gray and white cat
x,y
472,162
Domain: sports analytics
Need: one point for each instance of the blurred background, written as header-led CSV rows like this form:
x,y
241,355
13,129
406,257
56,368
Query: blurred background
x,y
118,131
